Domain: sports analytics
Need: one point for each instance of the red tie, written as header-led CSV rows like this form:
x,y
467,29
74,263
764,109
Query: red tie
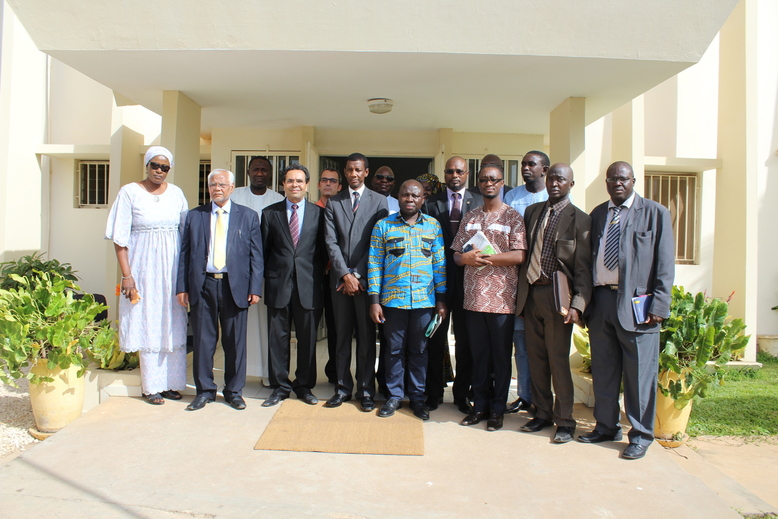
x,y
294,226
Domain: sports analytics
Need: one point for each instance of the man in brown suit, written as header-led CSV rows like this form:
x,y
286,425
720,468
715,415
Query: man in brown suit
x,y
558,240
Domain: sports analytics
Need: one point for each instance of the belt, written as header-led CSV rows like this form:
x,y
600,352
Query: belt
x,y
609,287
217,275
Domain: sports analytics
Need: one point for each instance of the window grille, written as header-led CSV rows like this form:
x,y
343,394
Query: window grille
x,y
93,184
679,192
203,195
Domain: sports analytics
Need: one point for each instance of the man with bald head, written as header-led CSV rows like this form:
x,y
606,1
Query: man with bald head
x,y
449,207
383,184
633,254
558,245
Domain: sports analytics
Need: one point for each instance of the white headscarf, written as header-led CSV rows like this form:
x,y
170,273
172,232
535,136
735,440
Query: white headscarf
x,y
156,151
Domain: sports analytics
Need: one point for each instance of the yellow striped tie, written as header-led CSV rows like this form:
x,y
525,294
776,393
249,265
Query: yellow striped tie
x,y
220,241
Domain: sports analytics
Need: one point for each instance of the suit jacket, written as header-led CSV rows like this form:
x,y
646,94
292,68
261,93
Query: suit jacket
x,y
244,253
437,207
284,263
348,235
573,251
646,258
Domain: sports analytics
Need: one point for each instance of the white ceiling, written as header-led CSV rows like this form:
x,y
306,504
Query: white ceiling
x,y
481,67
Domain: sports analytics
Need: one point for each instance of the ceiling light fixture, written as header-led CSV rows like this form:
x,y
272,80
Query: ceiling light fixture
x,y
380,105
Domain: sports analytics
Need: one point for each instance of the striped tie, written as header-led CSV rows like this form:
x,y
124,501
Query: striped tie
x,y
356,202
611,257
294,226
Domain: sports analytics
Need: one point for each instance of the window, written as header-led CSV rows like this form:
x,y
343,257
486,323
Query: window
x,y
278,161
679,192
203,195
92,184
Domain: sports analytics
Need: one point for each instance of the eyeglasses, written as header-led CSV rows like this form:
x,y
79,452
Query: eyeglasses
x,y
618,180
488,180
294,181
329,180
156,165
384,177
454,171
220,186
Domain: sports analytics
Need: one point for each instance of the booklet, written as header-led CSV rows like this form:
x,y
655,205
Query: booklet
x,y
481,242
640,306
433,326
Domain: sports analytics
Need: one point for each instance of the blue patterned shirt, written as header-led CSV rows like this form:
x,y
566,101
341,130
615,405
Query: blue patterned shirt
x,y
407,265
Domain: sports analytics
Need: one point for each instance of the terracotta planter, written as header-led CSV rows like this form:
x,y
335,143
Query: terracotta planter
x,y
670,423
56,404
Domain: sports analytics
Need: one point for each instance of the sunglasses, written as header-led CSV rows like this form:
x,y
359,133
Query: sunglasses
x,y
156,165
453,171
384,177
488,180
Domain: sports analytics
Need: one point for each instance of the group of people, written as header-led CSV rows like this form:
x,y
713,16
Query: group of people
x,y
505,267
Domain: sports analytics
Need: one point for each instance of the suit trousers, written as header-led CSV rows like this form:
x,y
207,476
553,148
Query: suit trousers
x,y
437,346
523,377
215,307
617,352
280,327
406,351
463,356
332,336
491,355
548,352
352,314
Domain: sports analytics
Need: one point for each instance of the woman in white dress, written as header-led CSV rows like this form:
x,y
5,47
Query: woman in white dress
x,y
144,225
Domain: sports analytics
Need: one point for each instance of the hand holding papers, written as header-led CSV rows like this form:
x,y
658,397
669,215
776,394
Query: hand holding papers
x,y
481,243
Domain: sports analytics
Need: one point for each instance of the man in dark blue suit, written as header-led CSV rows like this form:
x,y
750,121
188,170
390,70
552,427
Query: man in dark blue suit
x,y
295,257
220,275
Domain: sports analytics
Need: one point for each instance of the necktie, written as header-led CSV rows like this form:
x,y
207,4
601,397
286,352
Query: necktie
x,y
356,202
534,271
456,213
294,226
611,256
220,241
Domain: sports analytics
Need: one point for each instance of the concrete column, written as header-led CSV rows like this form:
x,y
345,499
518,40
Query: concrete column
x,y
445,150
628,137
181,135
735,253
567,140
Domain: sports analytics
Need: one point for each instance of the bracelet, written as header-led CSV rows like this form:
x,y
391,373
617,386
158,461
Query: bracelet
x,y
128,277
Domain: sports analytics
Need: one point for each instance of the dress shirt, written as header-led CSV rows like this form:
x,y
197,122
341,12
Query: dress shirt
x,y
361,192
450,199
603,275
394,205
300,214
548,259
214,216
407,263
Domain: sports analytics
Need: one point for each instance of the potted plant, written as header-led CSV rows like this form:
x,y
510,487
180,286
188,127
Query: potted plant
x,y
46,325
695,342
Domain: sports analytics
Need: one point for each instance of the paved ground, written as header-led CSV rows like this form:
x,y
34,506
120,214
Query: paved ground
x,y
127,459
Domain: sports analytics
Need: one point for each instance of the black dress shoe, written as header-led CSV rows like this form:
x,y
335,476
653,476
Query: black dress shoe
x,y
389,407
308,398
598,437
634,451
199,402
518,405
336,400
273,399
434,402
367,403
236,401
494,423
472,419
421,410
564,434
464,406
536,424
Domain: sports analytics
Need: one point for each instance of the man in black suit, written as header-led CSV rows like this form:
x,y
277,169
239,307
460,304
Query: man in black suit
x,y
293,242
558,242
633,254
349,219
220,276
448,207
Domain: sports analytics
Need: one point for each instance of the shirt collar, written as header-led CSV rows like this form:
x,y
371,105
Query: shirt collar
x,y
400,218
351,192
227,206
559,205
450,192
289,204
627,203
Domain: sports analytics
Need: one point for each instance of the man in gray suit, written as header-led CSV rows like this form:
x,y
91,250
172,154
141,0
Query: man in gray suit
x,y
348,223
633,255
558,241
